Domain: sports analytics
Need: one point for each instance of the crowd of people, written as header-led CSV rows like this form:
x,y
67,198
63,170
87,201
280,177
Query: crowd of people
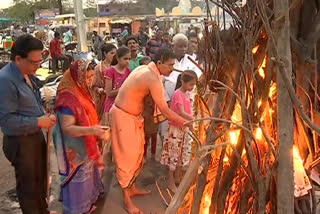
x,y
139,90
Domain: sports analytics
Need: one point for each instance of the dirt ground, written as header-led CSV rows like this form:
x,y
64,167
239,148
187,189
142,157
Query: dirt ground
x,y
111,202
7,185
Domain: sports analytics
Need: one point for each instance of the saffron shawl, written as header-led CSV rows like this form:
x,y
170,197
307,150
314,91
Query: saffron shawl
x,y
73,93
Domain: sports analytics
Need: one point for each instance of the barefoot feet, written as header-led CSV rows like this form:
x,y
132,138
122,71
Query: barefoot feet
x,y
132,209
128,204
135,191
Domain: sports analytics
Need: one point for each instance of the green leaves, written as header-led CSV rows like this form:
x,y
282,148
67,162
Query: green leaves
x,y
16,11
24,9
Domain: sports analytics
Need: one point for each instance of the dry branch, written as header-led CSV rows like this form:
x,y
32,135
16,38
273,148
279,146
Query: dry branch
x,y
188,179
294,98
161,194
252,161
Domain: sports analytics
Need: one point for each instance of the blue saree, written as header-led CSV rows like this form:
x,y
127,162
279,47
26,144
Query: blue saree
x,y
81,184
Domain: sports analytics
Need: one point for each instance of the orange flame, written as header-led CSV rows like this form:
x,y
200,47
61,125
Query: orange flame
x,y
272,90
207,203
258,134
255,49
297,155
237,118
262,68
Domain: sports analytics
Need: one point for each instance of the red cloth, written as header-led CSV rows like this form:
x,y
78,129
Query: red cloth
x,y
55,48
73,93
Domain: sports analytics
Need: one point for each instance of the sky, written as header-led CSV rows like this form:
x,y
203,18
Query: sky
x,y
5,4
8,3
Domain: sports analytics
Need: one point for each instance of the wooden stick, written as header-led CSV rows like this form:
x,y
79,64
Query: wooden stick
x,y
161,195
49,135
177,70
282,71
217,181
183,188
169,193
221,120
202,178
294,98
196,64
188,180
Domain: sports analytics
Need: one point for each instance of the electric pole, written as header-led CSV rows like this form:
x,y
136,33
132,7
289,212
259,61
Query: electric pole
x,y
81,29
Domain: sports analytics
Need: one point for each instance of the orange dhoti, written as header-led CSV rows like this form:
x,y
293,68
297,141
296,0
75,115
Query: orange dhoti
x,y
127,145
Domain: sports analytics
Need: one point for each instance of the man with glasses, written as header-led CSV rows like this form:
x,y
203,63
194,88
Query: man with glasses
x,y
21,119
127,126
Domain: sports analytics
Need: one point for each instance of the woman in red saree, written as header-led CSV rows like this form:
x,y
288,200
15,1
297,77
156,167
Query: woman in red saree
x,y
75,138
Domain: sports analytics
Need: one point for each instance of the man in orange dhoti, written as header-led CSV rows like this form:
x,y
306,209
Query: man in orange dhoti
x,y
127,121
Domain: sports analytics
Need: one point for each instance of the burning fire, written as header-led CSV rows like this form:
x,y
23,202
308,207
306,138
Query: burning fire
x,y
301,180
258,134
263,67
266,112
236,118
255,49
207,203
234,134
273,90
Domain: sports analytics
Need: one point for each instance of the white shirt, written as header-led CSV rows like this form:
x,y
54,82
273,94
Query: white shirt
x,y
182,65
50,36
194,56
171,31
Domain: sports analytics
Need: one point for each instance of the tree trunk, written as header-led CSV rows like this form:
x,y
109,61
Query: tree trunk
x,y
285,192
59,2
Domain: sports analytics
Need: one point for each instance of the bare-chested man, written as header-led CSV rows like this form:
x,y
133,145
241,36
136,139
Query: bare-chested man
x,y
127,121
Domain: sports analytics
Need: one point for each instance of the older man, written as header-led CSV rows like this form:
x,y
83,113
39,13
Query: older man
x,y
127,121
182,62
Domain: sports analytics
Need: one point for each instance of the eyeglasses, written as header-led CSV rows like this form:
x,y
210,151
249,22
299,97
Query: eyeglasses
x,y
34,63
